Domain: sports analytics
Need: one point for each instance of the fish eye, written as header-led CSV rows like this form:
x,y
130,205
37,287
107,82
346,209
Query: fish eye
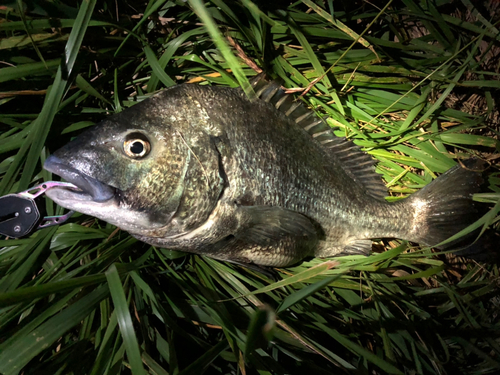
x,y
136,146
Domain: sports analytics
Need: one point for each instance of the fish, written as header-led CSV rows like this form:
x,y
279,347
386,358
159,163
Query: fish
x,y
257,180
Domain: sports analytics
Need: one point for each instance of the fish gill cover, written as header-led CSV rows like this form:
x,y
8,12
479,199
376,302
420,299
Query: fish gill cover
x,y
412,83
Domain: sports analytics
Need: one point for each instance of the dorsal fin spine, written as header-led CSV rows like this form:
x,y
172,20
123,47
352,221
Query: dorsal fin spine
x,y
308,127
271,93
293,108
259,93
358,164
319,134
280,102
304,117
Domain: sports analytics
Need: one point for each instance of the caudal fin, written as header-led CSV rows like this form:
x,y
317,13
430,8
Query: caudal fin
x,y
445,206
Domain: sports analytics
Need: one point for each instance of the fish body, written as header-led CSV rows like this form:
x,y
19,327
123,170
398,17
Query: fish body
x,y
208,170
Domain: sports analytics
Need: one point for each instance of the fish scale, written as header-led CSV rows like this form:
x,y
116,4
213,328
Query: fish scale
x,y
250,180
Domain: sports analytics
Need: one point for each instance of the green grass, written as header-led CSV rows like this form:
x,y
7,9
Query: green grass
x,y
84,298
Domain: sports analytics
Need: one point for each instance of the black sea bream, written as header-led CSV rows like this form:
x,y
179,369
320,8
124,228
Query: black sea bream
x,y
209,171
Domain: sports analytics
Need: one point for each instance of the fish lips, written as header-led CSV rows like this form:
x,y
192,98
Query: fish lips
x,y
91,189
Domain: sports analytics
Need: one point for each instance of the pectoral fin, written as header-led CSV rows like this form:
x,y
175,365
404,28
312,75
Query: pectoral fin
x,y
264,225
361,247
354,247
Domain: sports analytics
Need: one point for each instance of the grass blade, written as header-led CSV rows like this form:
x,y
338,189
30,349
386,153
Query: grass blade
x,y
124,320
20,353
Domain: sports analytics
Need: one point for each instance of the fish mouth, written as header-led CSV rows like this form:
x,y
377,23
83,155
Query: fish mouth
x,y
89,189
92,197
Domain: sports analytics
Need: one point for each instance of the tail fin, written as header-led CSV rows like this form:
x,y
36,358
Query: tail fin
x,y
445,206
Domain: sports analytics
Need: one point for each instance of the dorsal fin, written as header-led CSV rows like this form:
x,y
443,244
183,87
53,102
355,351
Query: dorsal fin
x,y
358,164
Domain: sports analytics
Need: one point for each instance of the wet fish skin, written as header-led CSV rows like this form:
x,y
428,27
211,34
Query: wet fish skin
x,y
239,180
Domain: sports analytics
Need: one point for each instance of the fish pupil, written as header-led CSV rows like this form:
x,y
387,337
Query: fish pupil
x,y
137,148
